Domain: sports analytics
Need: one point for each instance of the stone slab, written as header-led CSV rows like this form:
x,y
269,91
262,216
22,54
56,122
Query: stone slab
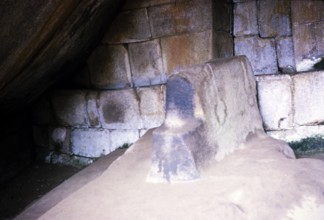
x,y
260,52
60,139
70,107
129,26
119,109
146,63
109,67
274,18
245,18
186,50
275,101
90,142
308,98
179,18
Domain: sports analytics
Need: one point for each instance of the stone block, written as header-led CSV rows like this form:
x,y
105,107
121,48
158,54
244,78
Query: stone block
x,y
119,109
60,139
129,26
285,54
109,67
223,43
90,142
146,63
151,103
245,18
92,109
222,16
298,133
261,53
179,18
70,107
308,98
186,50
123,138
304,46
275,101
274,18
306,11
211,109
133,4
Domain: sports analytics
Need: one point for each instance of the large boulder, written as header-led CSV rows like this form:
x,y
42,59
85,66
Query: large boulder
x,y
211,109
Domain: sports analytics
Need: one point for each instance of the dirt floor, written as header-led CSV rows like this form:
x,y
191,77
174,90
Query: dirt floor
x,y
31,184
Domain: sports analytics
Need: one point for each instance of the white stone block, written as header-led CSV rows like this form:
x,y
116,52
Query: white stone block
x,y
120,138
275,101
152,101
90,142
309,98
297,133
119,109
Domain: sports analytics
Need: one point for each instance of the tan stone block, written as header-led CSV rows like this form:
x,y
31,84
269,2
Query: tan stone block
x,y
129,26
146,63
119,109
133,4
186,50
182,17
306,11
275,101
245,18
308,98
152,101
261,53
109,67
274,18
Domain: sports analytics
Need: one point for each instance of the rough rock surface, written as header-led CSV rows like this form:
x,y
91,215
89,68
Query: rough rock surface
x,y
203,105
53,38
261,180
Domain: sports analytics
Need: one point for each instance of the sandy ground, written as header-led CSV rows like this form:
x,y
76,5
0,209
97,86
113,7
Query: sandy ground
x,y
256,182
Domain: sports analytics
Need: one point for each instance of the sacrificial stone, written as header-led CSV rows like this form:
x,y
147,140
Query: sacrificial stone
x,y
211,109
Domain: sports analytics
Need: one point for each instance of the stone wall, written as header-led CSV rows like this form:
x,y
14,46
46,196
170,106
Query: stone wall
x,y
121,88
292,105
123,81
279,36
